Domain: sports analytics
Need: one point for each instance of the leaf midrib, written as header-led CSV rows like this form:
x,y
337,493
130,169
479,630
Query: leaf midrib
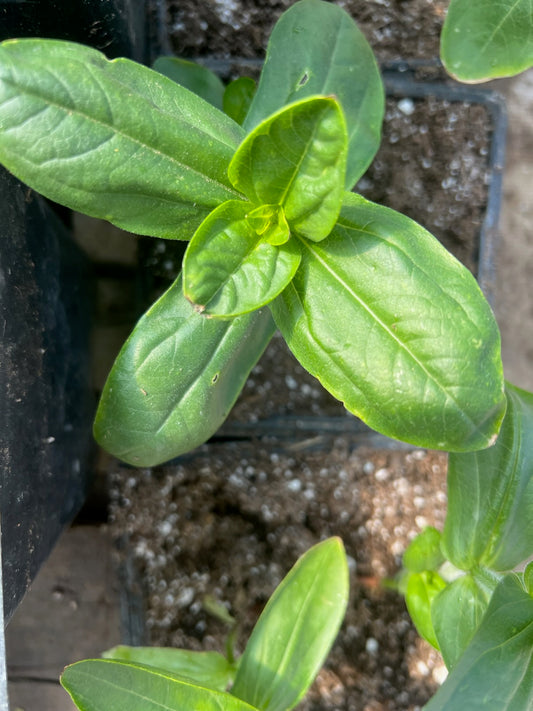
x,y
313,251
116,131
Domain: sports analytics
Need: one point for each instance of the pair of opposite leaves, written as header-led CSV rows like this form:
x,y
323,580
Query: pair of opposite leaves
x,y
291,168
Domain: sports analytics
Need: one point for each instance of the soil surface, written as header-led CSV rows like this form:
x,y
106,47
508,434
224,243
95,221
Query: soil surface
x,y
230,521
396,29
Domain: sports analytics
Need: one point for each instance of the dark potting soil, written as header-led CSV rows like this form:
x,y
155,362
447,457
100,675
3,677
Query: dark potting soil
x,y
231,521
396,29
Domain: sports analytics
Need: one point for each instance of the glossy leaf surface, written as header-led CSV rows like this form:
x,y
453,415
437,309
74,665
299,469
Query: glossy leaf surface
x,y
424,552
106,685
393,326
490,495
296,158
422,589
209,669
193,76
496,671
483,39
295,631
229,269
237,98
316,48
176,379
528,578
114,140
456,613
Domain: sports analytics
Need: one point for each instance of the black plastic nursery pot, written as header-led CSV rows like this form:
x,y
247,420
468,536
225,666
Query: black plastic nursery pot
x,y
47,405
45,305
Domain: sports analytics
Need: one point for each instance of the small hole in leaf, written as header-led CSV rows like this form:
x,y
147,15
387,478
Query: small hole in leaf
x,y
214,378
303,81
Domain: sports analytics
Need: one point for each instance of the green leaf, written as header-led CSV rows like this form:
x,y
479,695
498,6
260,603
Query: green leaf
x,y
528,578
422,589
106,685
210,669
198,79
270,223
295,631
424,552
229,269
482,39
496,671
296,158
115,140
238,97
393,326
490,495
176,379
456,613
316,48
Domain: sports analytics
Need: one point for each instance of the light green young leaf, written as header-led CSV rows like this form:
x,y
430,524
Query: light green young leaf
x,y
495,673
193,76
296,158
456,613
490,495
422,589
210,669
483,39
420,358
270,223
295,631
237,98
316,48
115,140
229,269
424,552
106,685
162,397
528,578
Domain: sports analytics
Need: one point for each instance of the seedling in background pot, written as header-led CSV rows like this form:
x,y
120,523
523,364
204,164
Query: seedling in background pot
x,y
460,587
285,652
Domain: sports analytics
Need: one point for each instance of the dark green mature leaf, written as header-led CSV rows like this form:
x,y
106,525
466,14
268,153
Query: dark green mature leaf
x,y
490,495
424,551
193,76
496,671
296,158
422,589
176,379
115,140
105,685
229,269
456,613
237,98
392,325
316,48
295,631
483,39
209,669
